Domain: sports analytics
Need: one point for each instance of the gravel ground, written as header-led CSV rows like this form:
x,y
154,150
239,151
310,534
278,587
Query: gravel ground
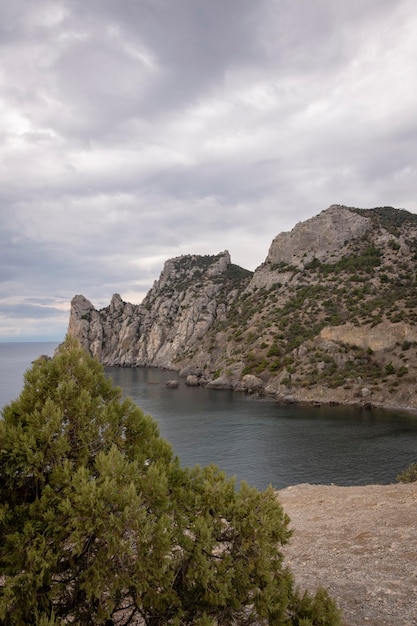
x,y
360,543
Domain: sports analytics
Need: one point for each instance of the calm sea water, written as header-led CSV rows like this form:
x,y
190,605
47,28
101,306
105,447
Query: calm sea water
x,y
264,443
15,359
257,441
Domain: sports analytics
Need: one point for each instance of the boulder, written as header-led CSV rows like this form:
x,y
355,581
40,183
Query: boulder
x,y
192,380
251,383
222,382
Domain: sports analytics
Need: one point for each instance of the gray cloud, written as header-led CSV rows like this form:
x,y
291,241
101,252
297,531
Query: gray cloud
x,y
136,131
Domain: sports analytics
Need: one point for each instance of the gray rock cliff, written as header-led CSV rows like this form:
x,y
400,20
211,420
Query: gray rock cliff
x,y
192,294
330,316
325,237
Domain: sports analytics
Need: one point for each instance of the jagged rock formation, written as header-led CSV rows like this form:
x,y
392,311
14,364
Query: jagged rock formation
x,y
330,316
192,294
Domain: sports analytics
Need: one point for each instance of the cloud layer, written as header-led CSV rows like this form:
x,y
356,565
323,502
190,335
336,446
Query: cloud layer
x,y
133,132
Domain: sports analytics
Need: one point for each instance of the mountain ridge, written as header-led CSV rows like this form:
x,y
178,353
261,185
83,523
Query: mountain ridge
x,y
330,316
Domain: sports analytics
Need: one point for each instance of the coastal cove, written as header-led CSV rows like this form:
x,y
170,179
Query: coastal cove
x,y
258,441
264,442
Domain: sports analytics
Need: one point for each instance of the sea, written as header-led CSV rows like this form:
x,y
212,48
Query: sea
x,y
257,441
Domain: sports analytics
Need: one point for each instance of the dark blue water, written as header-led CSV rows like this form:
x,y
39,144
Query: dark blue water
x,y
264,443
257,441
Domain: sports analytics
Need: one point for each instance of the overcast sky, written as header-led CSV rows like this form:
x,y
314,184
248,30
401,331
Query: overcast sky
x,y
133,131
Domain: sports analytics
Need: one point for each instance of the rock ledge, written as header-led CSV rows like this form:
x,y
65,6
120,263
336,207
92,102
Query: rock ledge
x,y
360,543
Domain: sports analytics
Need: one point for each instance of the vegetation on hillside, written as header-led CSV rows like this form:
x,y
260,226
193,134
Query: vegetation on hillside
x,y
388,217
275,331
100,525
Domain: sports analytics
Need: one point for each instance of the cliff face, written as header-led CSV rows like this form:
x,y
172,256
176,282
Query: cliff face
x,y
192,294
325,237
329,316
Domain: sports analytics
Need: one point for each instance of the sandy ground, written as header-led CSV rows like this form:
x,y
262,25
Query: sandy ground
x,y
360,543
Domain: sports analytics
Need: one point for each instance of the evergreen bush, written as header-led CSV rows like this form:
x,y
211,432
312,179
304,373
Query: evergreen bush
x,y
100,525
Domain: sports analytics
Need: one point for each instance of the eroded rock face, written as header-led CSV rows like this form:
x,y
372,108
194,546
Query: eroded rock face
x,y
380,337
192,293
195,293
330,316
85,324
324,237
321,237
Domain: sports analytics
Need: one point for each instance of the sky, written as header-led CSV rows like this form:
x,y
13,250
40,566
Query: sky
x,y
134,131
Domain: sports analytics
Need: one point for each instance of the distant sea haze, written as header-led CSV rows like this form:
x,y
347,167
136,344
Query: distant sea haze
x,y
255,440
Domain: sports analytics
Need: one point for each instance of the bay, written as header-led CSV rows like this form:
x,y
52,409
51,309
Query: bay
x,y
258,441
263,442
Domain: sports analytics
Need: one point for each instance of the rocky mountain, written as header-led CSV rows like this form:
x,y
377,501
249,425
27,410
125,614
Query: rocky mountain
x,y
330,316
192,296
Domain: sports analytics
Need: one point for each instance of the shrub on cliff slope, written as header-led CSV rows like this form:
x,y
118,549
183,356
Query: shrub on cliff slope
x,y
99,524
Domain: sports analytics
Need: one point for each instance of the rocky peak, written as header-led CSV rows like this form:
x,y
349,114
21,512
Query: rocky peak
x,y
329,316
184,269
80,319
322,236
80,308
220,265
326,236
192,294
116,304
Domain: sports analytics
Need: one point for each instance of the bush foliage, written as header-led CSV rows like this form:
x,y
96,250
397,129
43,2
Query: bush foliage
x,y
99,523
409,475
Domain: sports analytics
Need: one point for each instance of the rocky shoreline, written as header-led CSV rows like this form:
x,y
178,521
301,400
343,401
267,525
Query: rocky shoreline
x,y
360,543
320,396
329,317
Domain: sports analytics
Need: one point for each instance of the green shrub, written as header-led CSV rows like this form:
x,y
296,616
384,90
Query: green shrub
x,y
409,475
100,524
389,368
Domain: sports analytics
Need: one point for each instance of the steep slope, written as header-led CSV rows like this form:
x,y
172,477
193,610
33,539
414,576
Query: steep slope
x,y
192,294
330,316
